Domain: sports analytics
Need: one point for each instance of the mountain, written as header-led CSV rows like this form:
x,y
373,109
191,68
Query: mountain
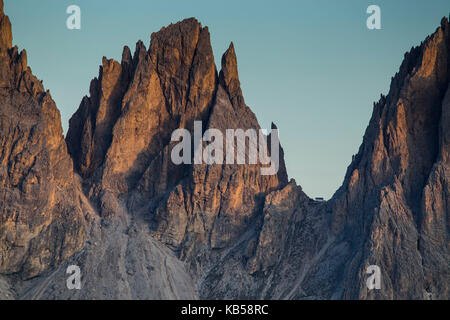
x,y
41,221
392,210
110,199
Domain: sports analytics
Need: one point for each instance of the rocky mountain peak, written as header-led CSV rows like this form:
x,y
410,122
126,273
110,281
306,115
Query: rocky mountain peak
x,y
120,141
397,187
40,217
175,80
5,30
229,76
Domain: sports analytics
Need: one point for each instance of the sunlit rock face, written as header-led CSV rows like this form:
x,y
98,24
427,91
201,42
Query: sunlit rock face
x,y
120,139
392,210
40,218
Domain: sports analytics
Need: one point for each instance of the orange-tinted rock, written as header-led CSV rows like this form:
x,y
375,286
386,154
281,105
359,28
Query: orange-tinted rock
x,y
170,86
40,219
392,210
5,30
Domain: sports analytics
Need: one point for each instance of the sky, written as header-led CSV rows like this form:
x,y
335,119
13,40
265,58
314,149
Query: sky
x,y
312,67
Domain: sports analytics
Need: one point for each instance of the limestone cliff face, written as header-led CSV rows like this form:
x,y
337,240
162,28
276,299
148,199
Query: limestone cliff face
x,y
134,106
40,220
215,204
394,201
392,210
120,141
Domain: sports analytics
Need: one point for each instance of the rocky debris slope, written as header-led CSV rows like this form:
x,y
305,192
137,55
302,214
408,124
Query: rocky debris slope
x,y
40,219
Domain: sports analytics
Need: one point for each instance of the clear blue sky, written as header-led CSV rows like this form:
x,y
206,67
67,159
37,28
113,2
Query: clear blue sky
x,y
311,66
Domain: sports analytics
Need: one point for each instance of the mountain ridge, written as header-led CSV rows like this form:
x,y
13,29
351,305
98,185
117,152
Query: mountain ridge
x,y
143,228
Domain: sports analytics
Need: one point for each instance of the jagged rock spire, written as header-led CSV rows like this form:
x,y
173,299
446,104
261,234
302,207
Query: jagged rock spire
x,y
229,76
5,30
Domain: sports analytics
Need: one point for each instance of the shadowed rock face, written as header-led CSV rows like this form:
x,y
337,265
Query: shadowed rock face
x,y
40,219
45,217
392,210
156,230
395,199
